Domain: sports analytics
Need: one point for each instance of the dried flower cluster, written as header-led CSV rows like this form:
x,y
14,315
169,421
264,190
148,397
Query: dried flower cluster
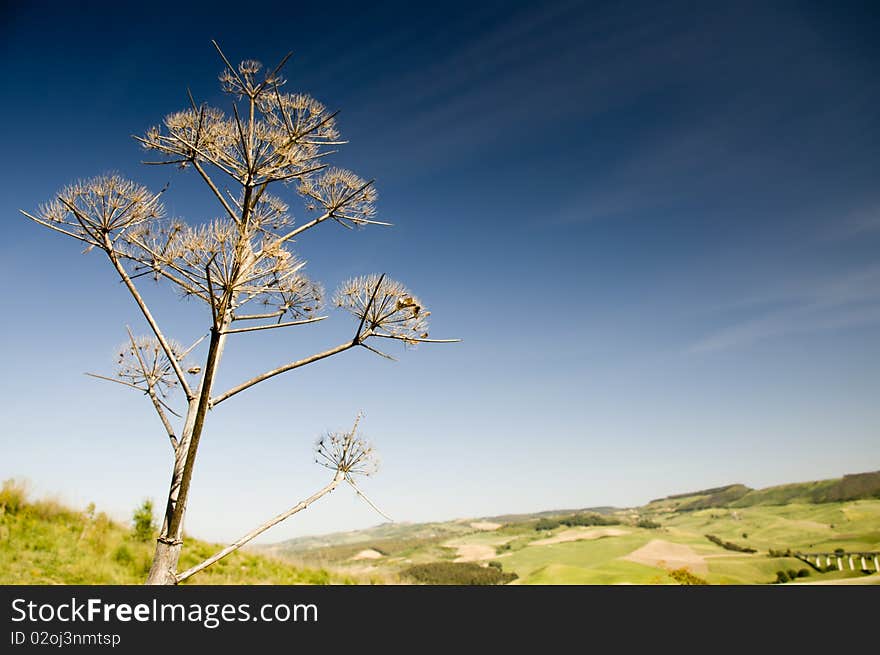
x,y
345,197
270,274
100,208
284,139
142,363
347,453
387,308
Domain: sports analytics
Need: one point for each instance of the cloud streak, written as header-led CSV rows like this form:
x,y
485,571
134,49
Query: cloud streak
x,y
839,303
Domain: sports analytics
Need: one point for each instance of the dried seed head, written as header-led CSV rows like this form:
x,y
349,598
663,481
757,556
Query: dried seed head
x,y
348,198
269,213
295,296
203,135
103,206
347,453
387,307
249,67
143,363
302,117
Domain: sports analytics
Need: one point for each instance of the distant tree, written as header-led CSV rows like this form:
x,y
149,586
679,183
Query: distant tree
x,y
143,523
547,524
239,266
457,573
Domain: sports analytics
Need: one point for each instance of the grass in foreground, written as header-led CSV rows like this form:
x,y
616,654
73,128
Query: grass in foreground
x,y
45,542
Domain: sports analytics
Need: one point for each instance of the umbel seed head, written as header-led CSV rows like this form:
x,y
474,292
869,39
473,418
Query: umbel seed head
x,y
386,306
347,453
100,207
142,362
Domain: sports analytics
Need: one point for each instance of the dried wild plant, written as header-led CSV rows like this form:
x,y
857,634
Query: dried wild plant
x,y
239,265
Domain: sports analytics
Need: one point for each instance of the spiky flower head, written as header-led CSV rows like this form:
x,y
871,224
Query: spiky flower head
x,y
245,80
142,362
348,199
269,213
347,453
100,207
206,134
386,306
270,275
300,115
296,296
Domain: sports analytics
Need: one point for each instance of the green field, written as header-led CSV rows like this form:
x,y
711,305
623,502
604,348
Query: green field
x,y
796,518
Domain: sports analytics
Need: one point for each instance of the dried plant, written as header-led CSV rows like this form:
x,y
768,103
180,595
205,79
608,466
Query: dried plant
x,y
346,452
239,265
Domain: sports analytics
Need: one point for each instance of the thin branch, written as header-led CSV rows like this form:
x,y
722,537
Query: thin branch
x,y
254,317
152,392
229,66
275,325
197,342
302,228
271,76
245,151
214,188
369,304
52,227
180,577
364,496
155,327
167,161
123,382
168,407
282,369
379,352
214,315
420,340
165,422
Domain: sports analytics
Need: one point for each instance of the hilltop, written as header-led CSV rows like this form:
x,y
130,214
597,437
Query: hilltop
x,y
854,486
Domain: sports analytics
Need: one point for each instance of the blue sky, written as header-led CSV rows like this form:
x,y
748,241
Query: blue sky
x,y
655,226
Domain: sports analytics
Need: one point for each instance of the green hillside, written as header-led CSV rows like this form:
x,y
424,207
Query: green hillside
x,y
850,487
664,542
44,542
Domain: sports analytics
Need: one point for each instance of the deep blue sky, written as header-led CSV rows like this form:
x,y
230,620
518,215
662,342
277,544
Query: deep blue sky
x,y
656,227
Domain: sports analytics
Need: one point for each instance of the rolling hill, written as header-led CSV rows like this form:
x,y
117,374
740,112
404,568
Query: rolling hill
x,y
730,534
850,487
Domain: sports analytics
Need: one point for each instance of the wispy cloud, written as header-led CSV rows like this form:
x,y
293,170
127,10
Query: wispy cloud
x,y
841,302
861,222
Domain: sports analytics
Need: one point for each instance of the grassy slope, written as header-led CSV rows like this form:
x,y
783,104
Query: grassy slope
x,y
44,542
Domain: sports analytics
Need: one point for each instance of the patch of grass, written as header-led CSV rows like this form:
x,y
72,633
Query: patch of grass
x,y
44,542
